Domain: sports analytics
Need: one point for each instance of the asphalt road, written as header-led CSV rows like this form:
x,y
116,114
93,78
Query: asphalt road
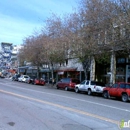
x,y
33,107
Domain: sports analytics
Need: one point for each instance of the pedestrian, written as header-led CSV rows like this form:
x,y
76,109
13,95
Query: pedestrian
x,y
53,82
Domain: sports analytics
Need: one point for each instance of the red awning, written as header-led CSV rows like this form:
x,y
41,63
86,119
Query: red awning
x,y
66,69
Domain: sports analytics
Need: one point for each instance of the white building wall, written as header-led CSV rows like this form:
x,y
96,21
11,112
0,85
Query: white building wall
x,y
16,49
74,63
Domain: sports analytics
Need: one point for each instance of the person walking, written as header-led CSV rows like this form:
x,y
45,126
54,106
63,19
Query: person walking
x,y
53,82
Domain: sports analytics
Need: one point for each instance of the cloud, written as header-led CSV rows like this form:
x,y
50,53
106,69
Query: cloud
x,y
17,29
20,18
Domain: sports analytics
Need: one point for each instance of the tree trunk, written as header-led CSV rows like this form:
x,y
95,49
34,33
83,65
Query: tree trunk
x,y
92,69
38,72
52,71
85,74
113,68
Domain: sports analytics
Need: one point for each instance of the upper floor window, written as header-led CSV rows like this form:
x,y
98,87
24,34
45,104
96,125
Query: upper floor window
x,y
121,60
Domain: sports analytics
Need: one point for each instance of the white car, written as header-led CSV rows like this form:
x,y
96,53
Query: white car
x,y
90,87
23,78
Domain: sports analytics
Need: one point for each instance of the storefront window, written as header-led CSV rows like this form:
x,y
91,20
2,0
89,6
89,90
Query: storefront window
x,y
120,71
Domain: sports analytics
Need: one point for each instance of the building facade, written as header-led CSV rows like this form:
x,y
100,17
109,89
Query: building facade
x,y
5,57
8,58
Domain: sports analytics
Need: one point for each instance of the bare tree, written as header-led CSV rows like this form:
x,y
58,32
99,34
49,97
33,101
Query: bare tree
x,y
56,44
34,51
99,30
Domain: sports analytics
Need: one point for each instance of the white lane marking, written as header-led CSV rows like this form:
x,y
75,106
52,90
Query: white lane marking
x,y
95,103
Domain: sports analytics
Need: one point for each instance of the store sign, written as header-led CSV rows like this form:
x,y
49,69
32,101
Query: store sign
x,y
108,73
60,73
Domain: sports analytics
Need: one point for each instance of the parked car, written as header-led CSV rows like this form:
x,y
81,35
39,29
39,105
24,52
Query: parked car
x,y
118,90
31,80
15,77
90,87
39,81
67,83
23,78
1,76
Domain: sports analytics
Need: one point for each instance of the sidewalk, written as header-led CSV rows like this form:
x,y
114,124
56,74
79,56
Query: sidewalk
x,y
50,85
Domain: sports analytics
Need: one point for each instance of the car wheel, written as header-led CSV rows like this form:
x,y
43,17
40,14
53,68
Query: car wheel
x,y
89,92
66,88
105,94
124,97
28,82
76,90
57,86
34,83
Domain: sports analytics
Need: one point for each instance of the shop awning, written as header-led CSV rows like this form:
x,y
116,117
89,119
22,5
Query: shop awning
x,y
67,69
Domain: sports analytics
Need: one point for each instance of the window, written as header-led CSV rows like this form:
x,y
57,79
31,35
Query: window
x,y
128,86
66,61
122,86
61,80
65,80
87,83
83,82
121,60
114,85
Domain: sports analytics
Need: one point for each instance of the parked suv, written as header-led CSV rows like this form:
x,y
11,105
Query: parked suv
x,y
90,87
67,83
118,90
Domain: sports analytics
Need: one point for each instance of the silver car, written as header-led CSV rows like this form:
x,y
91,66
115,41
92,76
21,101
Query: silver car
x,y
90,87
23,78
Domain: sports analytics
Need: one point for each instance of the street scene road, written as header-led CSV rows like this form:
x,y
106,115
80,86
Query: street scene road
x,y
34,107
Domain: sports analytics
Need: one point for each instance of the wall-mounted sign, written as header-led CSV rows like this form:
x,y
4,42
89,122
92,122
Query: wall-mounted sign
x,y
61,73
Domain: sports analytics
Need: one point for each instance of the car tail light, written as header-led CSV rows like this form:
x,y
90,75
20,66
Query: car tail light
x,y
70,84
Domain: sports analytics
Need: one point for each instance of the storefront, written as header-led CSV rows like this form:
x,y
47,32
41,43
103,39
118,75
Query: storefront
x,y
122,71
64,72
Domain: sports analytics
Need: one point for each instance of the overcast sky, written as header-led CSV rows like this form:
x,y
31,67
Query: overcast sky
x,y
19,18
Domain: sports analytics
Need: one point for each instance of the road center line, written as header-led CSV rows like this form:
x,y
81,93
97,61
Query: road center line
x,y
95,103
63,107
